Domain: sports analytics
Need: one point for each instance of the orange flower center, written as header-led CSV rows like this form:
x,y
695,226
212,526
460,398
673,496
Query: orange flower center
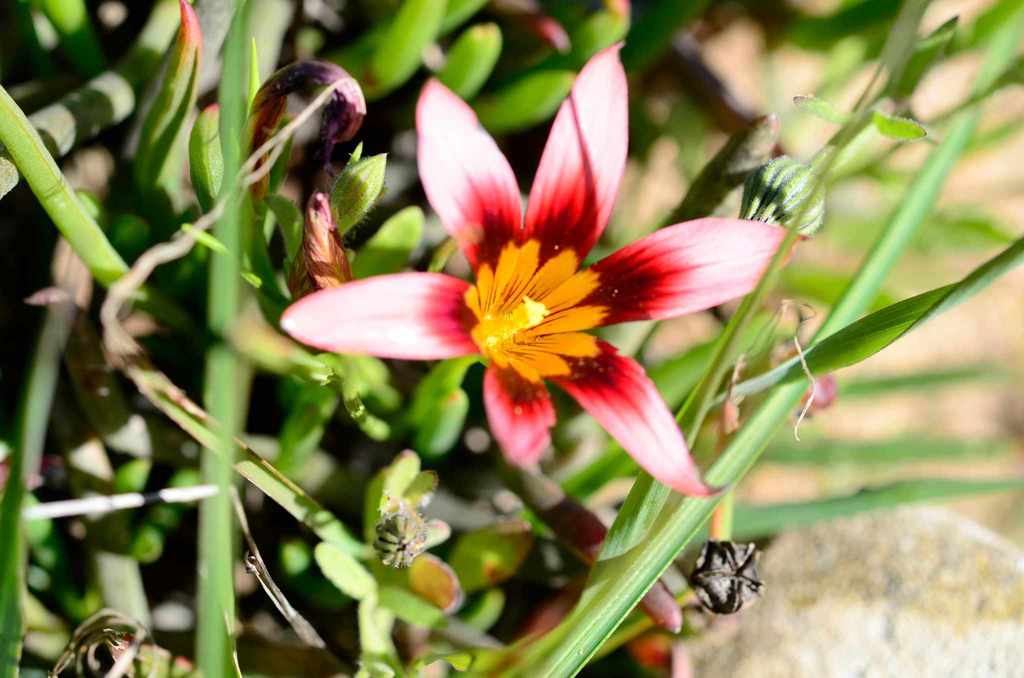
x,y
529,315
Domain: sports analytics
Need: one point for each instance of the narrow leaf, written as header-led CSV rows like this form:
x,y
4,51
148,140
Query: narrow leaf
x,y
471,60
526,102
401,51
820,108
752,522
344,571
896,127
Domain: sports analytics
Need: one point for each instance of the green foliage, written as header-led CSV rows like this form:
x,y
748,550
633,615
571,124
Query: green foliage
x,y
332,448
471,60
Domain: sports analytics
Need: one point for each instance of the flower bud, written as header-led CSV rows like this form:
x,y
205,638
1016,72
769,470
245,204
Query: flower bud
x,y
725,577
342,117
356,190
321,262
778,191
401,534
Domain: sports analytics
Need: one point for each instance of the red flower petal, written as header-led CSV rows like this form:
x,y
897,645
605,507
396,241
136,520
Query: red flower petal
x,y
467,179
684,268
520,415
418,316
617,392
579,173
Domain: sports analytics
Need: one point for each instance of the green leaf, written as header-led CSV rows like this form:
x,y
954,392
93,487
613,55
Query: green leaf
x,y
825,285
871,334
653,30
927,53
853,18
896,127
205,162
400,53
344,571
290,221
820,108
160,152
910,448
928,380
484,610
471,60
439,433
439,406
752,522
531,99
411,608
490,555
388,251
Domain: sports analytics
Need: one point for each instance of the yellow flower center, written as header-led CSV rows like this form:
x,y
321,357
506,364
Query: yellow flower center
x,y
529,315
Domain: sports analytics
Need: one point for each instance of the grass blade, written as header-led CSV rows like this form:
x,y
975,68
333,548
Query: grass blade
x,y
756,521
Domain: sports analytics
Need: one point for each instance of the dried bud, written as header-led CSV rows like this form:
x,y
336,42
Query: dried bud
x,y
725,577
825,389
401,534
343,114
777,193
356,190
322,262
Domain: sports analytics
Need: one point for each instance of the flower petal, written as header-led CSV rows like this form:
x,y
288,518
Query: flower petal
x,y
579,173
617,392
683,268
418,316
467,179
520,414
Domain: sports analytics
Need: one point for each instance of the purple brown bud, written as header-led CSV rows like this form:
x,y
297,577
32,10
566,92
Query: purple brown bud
x,y
343,114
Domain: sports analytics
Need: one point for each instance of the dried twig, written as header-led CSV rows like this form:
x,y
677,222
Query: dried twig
x,y
254,564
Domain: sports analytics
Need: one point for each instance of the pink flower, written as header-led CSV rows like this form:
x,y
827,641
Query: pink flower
x,y
531,304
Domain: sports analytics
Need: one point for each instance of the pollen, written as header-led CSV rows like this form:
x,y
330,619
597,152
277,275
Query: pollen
x,y
524,306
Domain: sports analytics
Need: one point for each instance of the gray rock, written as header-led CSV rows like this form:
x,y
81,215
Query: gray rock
x,y
915,592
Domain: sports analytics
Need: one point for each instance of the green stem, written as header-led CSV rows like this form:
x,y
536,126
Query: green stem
x,y
30,155
33,413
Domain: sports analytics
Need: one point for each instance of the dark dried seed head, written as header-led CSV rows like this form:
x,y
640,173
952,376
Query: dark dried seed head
x,y
725,577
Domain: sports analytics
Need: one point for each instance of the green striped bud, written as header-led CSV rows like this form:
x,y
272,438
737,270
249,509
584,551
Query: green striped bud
x,y
778,191
356,190
401,535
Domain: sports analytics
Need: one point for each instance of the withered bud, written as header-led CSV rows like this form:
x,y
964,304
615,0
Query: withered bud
x,y
401,534
343,115
321,262
725,577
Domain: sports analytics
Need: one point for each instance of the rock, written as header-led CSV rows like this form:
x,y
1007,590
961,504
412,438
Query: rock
x,y
915,592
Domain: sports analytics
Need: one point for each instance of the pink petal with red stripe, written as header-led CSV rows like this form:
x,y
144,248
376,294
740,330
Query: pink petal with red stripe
x,y
684,268
416,316
580,170
467,179
617,392
520,415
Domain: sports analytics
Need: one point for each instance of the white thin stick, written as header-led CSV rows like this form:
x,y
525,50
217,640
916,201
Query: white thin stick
x,y
118,341
116,502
